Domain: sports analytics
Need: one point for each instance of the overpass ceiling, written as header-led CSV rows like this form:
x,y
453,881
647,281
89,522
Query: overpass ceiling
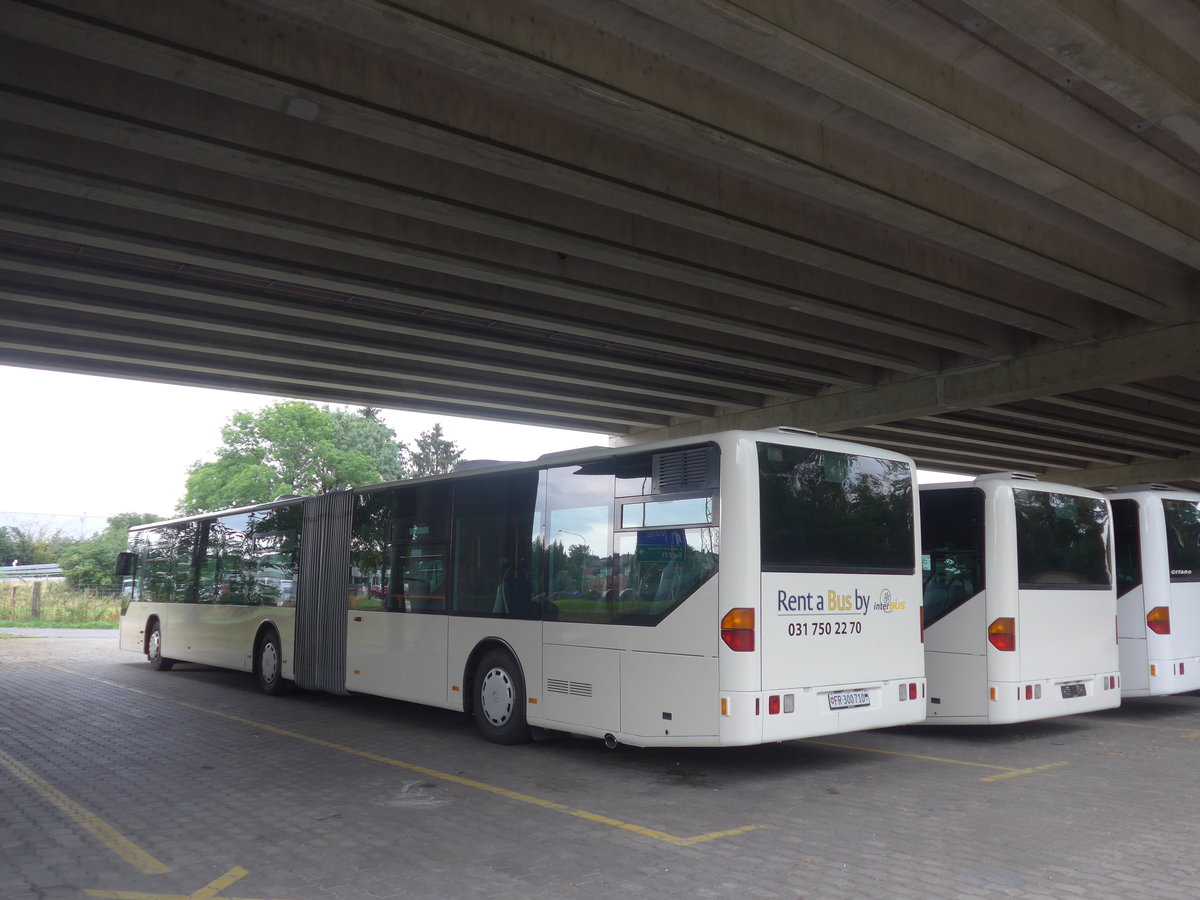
x,y
966,229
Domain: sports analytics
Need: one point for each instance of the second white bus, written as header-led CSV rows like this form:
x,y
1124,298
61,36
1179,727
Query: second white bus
x,y
1020,607
731,589
1158,589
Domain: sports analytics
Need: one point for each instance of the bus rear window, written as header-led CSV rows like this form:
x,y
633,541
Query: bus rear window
x,y
1062,541
1183,539
823,511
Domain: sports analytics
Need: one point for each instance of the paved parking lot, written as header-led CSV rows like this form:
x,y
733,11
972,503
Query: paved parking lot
x,y
120,782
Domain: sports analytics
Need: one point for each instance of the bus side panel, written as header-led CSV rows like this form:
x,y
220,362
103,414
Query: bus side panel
x,y
1132,645
957,687
397,654
521,636
956,662
582,687
664,694
133,626
220,634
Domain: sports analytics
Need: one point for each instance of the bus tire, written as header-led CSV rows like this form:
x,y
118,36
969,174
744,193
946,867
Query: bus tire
x,y
158,662
268,664
498,701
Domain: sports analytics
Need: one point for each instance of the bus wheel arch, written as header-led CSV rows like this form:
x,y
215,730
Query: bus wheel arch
x,y
153,646
495,693
268,660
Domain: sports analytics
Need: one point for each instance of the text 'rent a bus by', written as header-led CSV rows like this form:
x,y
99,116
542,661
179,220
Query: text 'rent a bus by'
x,y
731,589
1020,605
1158,589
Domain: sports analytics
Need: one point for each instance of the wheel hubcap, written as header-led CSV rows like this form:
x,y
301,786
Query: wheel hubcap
x,y
152,649
497,695
269,662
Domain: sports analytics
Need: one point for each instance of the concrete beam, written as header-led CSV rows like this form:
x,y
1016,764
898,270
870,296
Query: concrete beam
x,y
1132,358
1184,468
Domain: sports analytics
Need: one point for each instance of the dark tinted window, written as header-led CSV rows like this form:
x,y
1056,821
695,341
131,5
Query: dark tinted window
x,y
830,512
1062,541
167,557
398,547
951,548
493,556
1127,537
1183,539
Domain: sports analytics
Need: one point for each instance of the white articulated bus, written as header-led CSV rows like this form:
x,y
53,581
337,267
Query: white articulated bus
x,y
1020,606
1158,589
730,589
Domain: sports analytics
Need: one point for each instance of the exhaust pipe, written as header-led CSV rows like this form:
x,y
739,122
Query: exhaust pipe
x,y
610,742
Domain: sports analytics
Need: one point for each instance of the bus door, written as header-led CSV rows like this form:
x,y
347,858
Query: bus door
x,y
955,601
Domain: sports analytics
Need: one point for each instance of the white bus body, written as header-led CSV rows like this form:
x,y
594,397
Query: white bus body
x,y
1158,584
730,589
1020,607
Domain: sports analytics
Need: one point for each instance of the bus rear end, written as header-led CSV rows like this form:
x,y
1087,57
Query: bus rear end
x,y
1158,599
1051,616
821,615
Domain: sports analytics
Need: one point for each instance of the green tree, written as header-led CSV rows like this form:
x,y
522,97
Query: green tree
x,y
92,561
8,546
293,447
434,454
32,545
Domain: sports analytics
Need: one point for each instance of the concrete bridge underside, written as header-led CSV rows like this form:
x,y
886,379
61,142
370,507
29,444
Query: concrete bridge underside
x,y
966,229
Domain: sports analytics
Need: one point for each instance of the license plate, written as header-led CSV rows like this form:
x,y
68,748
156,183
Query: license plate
x,y
849,699
1073,690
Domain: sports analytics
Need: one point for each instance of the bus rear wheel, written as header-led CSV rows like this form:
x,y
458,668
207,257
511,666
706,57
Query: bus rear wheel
x,y
499,699
268,664
158,662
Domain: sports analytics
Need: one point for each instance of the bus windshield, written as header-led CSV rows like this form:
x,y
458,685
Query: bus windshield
x,y
823,511
1183,539
1062,541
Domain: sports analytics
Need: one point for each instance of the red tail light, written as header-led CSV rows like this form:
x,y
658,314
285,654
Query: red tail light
x,y
737,629
1002,634
1158,620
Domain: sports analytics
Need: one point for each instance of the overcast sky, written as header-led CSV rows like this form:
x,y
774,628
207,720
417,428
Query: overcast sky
x,y
81,446
86,448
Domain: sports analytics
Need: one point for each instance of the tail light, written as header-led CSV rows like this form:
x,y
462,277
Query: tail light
x,y
1002,634
1158,620
737,629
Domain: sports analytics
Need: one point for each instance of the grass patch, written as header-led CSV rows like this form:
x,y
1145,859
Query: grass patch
x,y
54,605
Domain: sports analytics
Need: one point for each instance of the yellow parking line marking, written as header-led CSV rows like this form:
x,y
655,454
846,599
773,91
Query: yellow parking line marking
x,y
1190,733
101,830
1008,771
1015,772
674,839
209,892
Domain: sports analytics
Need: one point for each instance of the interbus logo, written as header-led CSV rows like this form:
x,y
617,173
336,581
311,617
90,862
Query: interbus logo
x,y
886,603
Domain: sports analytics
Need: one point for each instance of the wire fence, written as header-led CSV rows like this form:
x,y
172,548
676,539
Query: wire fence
x,y
54,603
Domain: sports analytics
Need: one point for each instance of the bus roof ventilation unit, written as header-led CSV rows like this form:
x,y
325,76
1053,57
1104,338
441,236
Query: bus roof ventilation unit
x,y
692,469
791,429
1143,487
1007,476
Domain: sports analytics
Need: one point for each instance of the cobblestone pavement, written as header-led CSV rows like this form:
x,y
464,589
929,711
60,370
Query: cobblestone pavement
x,y
117,781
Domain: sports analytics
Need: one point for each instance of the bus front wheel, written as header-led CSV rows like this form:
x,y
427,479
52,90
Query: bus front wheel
x,y
158,662
499,699
269,665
